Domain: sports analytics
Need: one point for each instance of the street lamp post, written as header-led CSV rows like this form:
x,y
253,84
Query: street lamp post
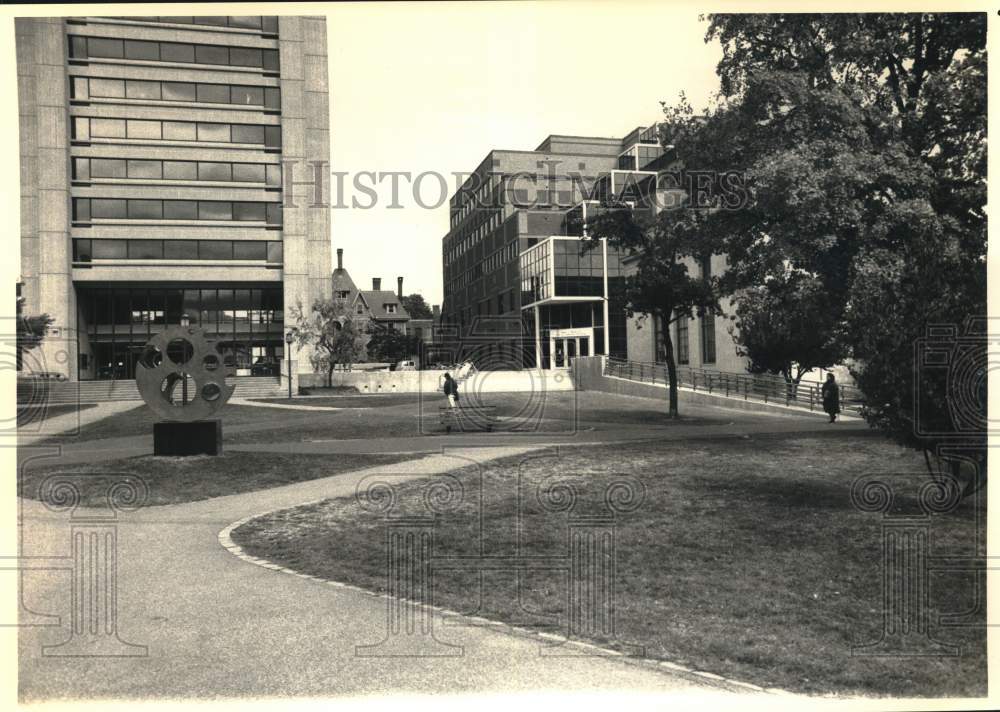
x,y
288,340
185,321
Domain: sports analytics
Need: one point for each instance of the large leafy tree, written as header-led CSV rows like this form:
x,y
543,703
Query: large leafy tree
x,y
391,345
416,306
665,246
862,139
328,329
786,326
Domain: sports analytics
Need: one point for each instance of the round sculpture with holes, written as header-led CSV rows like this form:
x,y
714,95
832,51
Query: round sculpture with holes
x,y
180,376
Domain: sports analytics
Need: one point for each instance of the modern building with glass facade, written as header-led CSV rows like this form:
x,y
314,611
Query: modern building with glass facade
x,y
520,277
156,158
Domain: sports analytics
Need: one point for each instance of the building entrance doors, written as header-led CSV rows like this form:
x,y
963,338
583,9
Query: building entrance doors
x,y
567,344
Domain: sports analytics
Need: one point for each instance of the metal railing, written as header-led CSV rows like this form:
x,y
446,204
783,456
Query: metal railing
x,y
762,387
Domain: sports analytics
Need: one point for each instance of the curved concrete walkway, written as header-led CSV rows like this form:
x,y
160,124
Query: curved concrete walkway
x,y
216,626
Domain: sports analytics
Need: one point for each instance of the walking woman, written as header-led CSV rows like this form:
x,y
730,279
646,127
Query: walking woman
x,y
831,397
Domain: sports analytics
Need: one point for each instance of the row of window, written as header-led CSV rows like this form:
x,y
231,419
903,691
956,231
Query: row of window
x,y
86,128
266,23
143,169
84,88
260,250
87,209
148,51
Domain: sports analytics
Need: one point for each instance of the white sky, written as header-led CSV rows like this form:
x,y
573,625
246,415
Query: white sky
x,y
435,87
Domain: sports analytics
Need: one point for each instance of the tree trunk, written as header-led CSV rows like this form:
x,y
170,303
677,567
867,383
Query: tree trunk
x,y
329,374
668,347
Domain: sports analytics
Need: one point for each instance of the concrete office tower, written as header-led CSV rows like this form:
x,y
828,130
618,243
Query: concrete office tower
x,y
156,158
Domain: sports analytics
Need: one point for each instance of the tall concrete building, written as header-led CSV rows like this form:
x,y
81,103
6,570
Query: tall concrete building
x,y
157,156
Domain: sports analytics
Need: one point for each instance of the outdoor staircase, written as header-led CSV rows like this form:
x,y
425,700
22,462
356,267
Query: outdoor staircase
x,y
64,392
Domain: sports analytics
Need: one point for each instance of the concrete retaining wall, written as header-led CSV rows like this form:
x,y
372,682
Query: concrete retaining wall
x,y
588,373
431,381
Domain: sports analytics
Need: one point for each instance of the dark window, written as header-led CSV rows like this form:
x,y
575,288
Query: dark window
x,y
179,91
273,213
180,170
180,210
249,211
77,47
107,88
271,60
145,169
213,93
179,131
145,249
213,132
211,20
215,171
245,57
272,97
248,23
180,249
248,172
175,52
110,249
708,338
247,96
81,251
145,209
108,208
215,210
269,23
211,54
272,136
105,48
81,209
255,250
274,253
215,249
81,169
107,168
273,174
140,49
246,133
682,341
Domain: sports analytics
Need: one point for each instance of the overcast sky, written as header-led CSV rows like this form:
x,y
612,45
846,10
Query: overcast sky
x,y
435,87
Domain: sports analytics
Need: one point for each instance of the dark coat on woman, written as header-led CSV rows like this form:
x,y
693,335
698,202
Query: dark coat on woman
x,y
831,397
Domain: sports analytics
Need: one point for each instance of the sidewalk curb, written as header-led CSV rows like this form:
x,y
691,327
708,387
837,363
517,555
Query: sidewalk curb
x,y
663,666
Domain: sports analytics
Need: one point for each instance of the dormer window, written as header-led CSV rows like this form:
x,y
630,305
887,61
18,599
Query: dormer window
x,y
390,308
342,294
361,309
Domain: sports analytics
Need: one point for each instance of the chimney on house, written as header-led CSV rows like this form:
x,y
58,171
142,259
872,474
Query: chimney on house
x,y
340,258
399,288
376,283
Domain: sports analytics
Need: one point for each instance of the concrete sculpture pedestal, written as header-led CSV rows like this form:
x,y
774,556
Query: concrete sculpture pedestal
x,y
202,437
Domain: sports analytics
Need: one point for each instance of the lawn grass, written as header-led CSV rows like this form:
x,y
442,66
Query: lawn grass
x,y
39,414
747,558
171,480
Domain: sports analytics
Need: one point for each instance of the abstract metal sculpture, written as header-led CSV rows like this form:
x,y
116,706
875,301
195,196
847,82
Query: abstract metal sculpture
x,y
180,376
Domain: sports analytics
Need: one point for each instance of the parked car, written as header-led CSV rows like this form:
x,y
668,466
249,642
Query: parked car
x,y
264,368
51,376
406,366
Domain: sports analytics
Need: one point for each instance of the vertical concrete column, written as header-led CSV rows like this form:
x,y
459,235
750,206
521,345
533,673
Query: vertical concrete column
x,y
43,99
306,157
